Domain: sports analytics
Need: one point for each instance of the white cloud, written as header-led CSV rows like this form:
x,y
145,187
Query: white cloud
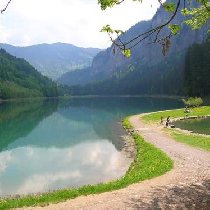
x,y
5,159
38,183
30,169
78,22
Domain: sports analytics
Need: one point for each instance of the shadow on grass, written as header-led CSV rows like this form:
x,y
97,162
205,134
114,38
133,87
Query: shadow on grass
x,y
192,197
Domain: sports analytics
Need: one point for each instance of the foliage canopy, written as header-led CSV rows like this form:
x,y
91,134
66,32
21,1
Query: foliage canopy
x,y
192,102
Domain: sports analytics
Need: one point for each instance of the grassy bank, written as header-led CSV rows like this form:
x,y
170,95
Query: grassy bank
x,y
176,113
149,162
199,141
194,140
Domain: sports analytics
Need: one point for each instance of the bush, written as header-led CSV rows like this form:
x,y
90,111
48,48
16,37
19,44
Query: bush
x,y
192,102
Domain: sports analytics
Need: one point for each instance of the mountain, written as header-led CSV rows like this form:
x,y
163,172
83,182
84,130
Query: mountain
x,y
18,79
147,71
103,64
163,78
53,60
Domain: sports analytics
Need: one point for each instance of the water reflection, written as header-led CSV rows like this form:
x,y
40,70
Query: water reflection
x,y
201,126
55,144
30,169
19,119
69,122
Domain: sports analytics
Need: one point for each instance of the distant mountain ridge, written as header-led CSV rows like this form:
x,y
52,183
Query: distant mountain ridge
x,y
145,70
53,60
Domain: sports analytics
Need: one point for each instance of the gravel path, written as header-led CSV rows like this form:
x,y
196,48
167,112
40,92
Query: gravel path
x,y
186,186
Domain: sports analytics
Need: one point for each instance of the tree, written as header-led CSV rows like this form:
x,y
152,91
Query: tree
x,y
192,102
197,16
196,70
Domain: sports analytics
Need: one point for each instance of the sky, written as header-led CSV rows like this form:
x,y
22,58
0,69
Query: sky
x,y
28,22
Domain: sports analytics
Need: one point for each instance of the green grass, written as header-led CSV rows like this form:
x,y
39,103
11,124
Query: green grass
x,y
194,140
126,124
155,116
149,162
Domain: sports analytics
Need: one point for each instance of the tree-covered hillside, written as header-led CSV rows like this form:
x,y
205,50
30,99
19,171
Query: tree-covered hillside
x,y
164,78
18,79
147,70
197,70
185,73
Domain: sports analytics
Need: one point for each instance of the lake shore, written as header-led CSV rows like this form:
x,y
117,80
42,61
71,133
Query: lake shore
x,y
191,173
146,154
186,186
201,141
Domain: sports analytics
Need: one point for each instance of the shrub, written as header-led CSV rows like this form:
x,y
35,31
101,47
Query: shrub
x,y
192,102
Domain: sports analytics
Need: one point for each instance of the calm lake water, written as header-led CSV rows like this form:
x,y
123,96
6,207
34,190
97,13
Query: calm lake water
x,y
201,126
53,144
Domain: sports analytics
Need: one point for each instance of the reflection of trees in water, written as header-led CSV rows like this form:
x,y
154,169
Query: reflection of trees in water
x,y
122,106
103,113
201,126
100,114
19,119
102,122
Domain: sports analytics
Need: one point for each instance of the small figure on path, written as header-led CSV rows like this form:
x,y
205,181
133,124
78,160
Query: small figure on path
x,y
186,110
167,121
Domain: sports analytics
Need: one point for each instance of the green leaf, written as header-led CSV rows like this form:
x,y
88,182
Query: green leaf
x,y
169,7
118,32
184,12
126,53
110,3
198,16
107,29
106,3
174,28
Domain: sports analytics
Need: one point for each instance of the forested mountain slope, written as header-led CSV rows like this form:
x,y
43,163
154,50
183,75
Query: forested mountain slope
x,y
18,79
163,78
53,60
197,70
179,74
147,71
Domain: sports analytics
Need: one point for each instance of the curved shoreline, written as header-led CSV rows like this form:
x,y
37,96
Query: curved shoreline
x,y
186,186
189,131
138,171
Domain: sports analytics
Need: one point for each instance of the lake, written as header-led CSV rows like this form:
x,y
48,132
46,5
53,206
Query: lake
x,y
54,144
201,126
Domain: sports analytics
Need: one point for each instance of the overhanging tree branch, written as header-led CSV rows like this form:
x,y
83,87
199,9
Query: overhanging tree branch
x,y
5,8
139,38
154,33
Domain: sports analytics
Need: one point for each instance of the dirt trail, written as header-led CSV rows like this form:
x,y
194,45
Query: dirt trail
x,y
186,186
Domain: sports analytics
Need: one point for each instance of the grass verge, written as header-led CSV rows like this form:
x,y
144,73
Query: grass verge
x,y
194,140
176,113
149,162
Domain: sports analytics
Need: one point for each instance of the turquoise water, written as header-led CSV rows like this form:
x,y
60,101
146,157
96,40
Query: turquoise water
x,y
53,144
201,126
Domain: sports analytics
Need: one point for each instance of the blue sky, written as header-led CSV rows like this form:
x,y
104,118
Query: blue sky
x,y
28,22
